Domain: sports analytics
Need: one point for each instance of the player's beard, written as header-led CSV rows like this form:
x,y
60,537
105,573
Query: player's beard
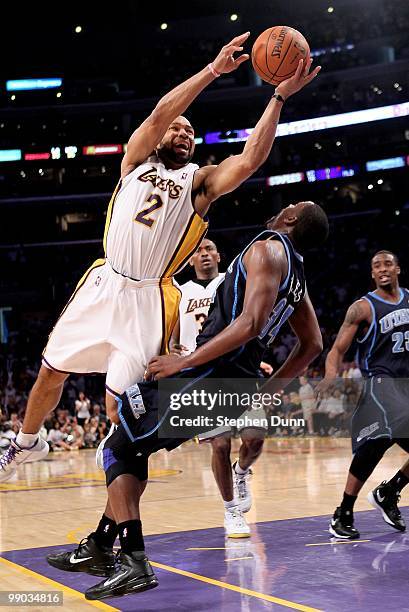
x,y
169,154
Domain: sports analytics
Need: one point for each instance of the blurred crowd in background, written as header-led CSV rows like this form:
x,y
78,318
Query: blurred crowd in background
x,y
62,197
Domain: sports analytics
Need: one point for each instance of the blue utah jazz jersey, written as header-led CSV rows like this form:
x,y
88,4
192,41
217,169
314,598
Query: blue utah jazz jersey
x,y
229,299
384,350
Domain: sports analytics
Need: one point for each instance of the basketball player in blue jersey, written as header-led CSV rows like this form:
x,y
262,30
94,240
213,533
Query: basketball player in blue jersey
x,y
379,321
263,288
232,480
125,306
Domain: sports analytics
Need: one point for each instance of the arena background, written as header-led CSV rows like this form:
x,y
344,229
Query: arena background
x,y
103,67
55,182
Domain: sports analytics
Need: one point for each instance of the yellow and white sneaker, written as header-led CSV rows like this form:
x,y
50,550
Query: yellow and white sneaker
x,y
235,524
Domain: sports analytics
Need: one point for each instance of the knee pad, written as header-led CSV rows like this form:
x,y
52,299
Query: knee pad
x,y
367,457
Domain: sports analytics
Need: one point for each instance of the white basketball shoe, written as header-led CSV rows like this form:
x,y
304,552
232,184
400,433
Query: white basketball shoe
x,y
16,455
235,524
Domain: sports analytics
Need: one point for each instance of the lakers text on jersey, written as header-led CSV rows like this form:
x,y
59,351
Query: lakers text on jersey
x,y
194,307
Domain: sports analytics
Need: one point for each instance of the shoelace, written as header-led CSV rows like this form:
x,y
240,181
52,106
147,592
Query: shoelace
x,y
8,457
117,557
78,549
237,515
241,482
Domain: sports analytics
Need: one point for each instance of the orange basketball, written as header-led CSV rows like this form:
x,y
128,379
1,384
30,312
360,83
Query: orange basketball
x,y
276,53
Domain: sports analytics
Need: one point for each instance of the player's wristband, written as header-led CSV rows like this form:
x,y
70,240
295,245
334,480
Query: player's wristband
x,y
213,70
278,97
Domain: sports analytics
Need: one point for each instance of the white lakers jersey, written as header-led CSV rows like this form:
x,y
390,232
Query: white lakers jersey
x,y
152,227
193,309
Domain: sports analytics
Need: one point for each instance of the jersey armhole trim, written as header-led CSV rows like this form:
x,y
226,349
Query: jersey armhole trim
x,y
287,252
372,325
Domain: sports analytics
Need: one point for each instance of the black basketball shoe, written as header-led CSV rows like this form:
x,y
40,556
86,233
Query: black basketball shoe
x,y
342,525
385,499
87,557
133,574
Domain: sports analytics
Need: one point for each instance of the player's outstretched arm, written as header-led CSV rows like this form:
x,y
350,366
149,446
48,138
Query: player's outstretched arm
x,y
174,103
234,170
304,323
359,312
266,265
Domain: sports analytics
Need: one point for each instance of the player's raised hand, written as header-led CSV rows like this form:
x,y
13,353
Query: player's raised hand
x,y
300,79
225,61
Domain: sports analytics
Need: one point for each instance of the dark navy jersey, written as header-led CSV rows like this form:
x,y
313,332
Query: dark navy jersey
x,y
384,350
229,299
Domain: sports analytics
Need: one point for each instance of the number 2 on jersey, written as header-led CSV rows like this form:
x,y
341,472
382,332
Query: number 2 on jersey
x,y
155,202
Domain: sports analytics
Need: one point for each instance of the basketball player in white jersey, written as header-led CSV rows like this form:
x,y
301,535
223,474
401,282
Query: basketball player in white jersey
x,y
197,296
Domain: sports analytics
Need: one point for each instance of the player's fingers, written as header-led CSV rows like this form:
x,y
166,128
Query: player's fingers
x,y
298,72
233,49
313,74
307,66
238,40
241,59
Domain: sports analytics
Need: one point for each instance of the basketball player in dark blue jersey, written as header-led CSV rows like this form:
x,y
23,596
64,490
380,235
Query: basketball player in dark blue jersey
x,y
379,321
263,288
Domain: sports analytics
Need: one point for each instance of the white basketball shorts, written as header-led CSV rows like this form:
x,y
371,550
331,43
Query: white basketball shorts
x,y
113,325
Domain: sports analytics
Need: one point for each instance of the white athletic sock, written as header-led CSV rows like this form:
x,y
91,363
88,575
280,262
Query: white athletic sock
x,y
229,505
26,440
239,470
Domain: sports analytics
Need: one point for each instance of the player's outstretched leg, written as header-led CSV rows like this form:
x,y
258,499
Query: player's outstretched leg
x,y
366,458
94,554
133,572
28,445
341,525
235,524
250,450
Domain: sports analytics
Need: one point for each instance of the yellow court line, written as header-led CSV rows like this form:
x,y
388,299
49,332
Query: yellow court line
x,y
237,589
338,542
54,583
238,559
71,535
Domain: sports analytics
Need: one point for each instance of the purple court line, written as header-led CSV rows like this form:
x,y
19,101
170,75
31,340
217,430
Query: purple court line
x,y
274,561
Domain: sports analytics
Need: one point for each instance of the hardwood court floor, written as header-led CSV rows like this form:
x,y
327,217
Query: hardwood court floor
x,y
60,500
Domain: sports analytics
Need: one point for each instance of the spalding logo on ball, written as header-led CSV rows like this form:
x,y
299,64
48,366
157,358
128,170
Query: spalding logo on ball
x,y
276,53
